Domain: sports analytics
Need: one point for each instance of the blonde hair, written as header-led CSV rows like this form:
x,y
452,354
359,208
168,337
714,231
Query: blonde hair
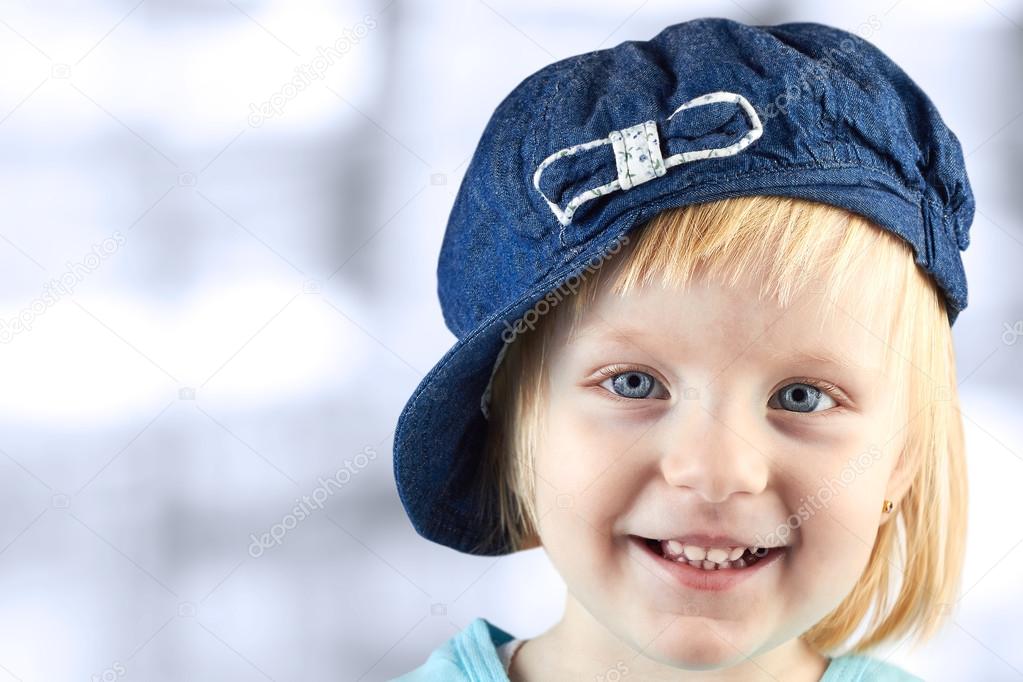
x,y
799,243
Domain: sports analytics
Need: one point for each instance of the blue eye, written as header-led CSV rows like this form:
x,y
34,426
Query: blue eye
x,y
800,397
633,384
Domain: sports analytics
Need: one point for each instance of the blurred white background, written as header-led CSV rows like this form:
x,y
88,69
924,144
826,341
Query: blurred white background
x,y
223,305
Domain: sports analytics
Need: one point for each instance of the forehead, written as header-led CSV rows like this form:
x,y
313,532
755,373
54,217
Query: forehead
x,y
708,315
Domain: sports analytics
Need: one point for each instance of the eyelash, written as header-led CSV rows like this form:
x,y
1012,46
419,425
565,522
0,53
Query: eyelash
x,y
826,386
615,370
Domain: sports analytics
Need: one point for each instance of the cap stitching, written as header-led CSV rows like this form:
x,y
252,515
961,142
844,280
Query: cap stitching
x,y
780,166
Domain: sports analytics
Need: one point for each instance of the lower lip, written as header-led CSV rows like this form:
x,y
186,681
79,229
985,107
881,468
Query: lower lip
x,y
717,580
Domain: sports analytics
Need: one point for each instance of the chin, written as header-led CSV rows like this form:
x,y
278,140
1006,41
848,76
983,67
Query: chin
x,y
698,646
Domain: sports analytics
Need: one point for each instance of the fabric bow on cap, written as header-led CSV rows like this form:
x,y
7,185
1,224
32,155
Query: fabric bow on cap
x,y
637,153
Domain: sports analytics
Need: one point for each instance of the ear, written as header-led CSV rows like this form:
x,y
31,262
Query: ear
x,y
898,483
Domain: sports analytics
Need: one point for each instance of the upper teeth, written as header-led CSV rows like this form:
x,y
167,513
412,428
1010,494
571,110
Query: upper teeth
x,y
673,549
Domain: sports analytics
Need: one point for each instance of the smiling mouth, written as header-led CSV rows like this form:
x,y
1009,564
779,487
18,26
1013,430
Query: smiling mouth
x,y
715,559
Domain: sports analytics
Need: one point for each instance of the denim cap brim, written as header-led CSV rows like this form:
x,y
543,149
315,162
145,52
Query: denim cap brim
x,y
572,159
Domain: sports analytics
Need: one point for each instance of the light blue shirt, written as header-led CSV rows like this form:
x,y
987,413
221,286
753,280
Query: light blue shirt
x,y
471,656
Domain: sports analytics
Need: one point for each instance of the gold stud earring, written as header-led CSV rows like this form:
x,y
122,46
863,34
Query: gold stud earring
x,y
887,506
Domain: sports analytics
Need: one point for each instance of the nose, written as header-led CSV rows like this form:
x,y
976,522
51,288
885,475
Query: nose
x,y
713,454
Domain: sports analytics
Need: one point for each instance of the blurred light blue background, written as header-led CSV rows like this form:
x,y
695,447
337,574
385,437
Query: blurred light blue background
x,y
226,292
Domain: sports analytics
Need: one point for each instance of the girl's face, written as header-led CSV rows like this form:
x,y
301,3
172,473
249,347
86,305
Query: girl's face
x,y
716,420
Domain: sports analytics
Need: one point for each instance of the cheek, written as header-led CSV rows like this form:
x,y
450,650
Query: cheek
x,y
586,475
581,450
839,511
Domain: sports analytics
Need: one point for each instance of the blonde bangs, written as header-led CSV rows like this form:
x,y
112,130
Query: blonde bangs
x,y
788,245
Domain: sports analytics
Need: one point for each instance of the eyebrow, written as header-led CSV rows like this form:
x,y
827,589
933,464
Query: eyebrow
x,y
817,355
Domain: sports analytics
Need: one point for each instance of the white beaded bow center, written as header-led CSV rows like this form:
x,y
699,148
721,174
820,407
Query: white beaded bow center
x,y
637,153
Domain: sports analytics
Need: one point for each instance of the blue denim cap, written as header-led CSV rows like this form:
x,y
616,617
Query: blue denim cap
x,y
592,146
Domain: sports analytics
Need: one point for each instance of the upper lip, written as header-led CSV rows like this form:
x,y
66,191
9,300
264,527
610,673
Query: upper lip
x,y
716,540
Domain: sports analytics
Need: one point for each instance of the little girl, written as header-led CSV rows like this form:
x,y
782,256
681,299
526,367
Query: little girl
x,y
703,288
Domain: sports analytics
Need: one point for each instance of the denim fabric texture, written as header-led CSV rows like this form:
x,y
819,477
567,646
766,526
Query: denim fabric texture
x,y
797,109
